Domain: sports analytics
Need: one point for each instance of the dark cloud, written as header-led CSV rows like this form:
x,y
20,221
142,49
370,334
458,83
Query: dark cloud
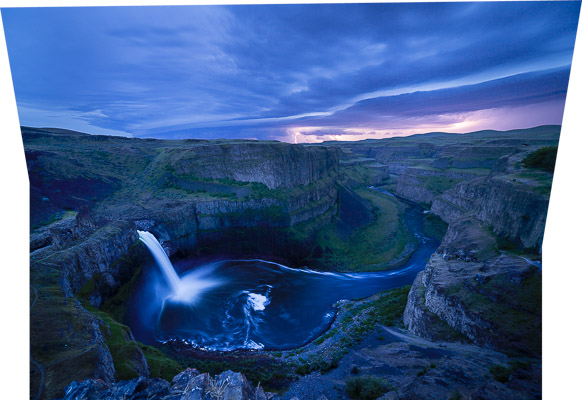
x,y
256,70
514,91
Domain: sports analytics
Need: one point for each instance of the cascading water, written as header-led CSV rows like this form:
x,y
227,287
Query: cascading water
x,y
185,289
161,259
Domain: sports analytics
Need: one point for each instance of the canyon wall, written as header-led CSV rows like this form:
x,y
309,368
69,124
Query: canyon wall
x,y
483,284
274,164
493,301
510,209
193,195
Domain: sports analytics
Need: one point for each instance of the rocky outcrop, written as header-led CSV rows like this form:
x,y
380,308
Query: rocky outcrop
x,y
421,321
489,298
423,185
188,385
413,188
95,254
66,342
276,165
512,211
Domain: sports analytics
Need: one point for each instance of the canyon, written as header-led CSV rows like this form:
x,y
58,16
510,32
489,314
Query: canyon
x,y
300,205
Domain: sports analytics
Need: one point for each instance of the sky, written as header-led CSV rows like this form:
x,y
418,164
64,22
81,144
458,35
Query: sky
x,y
295,73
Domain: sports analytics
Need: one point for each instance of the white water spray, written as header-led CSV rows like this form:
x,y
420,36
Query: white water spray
x,y
187,288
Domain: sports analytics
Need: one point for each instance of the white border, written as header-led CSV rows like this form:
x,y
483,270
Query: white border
x,y
561,269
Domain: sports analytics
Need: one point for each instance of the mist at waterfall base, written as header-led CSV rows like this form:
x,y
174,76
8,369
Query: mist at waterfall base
x,y
253,304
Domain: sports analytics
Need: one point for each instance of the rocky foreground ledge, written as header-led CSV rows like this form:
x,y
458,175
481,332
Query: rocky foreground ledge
x,y
187,385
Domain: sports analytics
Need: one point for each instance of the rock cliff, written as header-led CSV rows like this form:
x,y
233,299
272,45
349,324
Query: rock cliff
x,y
480,285
512,210
470,290
423,185
194,195
91,193
276,165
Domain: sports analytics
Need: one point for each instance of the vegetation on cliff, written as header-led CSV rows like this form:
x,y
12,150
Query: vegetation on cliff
x,y
544,158
364,245
484,195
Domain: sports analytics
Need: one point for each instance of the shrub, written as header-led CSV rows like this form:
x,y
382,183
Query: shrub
x,y
365,388
544,158
500,373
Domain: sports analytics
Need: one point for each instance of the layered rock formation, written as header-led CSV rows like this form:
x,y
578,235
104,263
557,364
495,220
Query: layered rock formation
x,y
191,194
494,303
206,194
513,211
423,185
422,167
470,290
480,285
274,164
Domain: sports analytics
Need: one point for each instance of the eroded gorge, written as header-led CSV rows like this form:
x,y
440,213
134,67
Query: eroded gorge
x,y
412,261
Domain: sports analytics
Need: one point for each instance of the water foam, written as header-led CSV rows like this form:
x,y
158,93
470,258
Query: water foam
x,y
258,301
187,288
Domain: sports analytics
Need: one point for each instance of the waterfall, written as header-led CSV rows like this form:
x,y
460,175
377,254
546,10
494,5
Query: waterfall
x,y
161,259
189,287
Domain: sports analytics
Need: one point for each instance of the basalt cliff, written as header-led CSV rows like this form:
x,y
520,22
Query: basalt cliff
x,y
90,194
479,297
483,284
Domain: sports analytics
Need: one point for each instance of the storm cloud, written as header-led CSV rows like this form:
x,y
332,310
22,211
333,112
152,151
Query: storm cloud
x,y
292,72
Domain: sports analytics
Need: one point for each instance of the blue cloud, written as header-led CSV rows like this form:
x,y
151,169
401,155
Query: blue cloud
x,y
257,70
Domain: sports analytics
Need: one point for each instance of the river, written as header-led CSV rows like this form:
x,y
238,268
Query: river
x,y
255,304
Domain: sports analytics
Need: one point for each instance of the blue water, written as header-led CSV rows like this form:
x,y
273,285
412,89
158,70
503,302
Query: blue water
x,y
259,304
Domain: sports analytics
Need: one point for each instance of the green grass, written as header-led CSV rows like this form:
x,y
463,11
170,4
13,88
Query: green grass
x,y
272,373
58,216
124,350
353,324
385,308
389,308
535,180
319,363
160,365
515,311
440,184
370,247
59,338
116,306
